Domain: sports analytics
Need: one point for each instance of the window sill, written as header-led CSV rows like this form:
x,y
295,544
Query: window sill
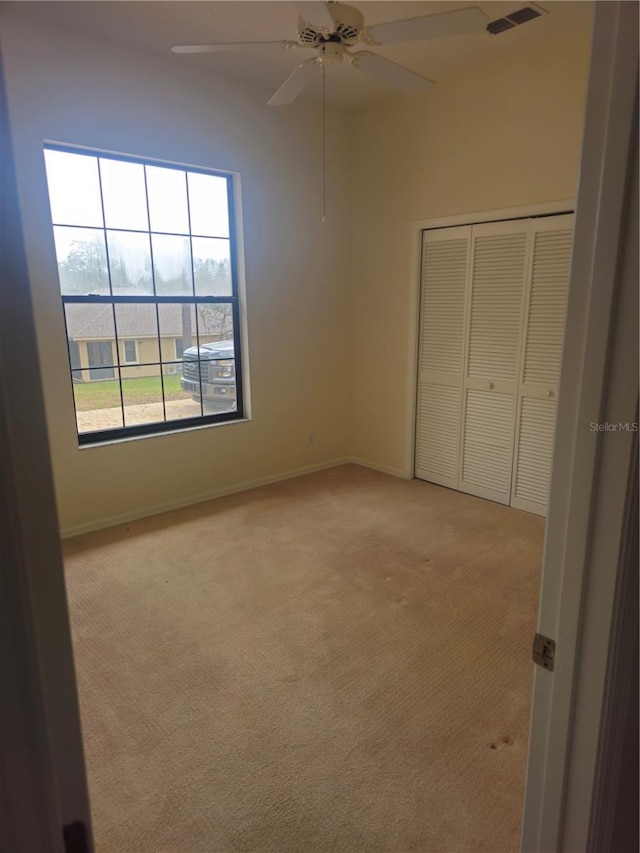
x,y
178,431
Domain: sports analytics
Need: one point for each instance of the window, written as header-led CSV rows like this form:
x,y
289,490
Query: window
x,y
130,351
147,273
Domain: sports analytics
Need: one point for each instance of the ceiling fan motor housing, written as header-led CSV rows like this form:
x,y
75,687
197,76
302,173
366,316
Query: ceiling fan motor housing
x,y
348,24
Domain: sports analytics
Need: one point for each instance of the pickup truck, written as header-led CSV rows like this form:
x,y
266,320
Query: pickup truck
x,y
209,374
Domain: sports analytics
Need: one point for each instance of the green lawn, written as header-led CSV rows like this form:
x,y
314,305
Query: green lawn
x,y
105,394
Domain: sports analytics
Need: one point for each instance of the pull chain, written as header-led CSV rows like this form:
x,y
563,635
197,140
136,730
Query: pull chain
x,y
324,146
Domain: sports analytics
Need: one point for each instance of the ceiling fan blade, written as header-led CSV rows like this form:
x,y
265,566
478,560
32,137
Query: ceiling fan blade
x,y
222,47
454,23
389,72
295,83
314,12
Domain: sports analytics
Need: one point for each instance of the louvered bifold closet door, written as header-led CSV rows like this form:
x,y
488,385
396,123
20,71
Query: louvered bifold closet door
x,y
546,300
445,267
499,263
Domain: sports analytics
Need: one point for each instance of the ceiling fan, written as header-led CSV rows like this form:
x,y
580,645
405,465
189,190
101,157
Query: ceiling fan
x,y
330,29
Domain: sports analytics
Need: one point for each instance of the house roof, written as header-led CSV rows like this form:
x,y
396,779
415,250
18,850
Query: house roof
x,y
95,322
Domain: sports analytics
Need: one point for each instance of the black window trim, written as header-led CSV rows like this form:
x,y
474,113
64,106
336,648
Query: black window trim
x,y
97,437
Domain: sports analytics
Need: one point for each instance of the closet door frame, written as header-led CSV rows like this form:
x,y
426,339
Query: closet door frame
x,y
549,208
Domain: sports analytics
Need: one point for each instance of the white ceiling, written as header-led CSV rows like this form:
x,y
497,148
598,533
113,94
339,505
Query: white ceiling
x,y
155,26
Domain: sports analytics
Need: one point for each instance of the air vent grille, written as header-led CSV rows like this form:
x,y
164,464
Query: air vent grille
x,y
513,19
527,13
499,26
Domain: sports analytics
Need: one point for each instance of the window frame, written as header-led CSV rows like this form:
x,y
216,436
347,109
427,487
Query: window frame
x,y
97,437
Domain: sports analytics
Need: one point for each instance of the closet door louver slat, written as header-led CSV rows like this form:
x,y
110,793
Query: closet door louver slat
x,y
541,361
486,455
496,305
534,453
438,433
444,285
445,261
498,268
545,323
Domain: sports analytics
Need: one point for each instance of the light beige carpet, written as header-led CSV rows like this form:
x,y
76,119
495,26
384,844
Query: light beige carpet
x,y
335,663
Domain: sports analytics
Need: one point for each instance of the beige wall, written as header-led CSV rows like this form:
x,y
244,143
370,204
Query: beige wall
x,y
504,134
74,89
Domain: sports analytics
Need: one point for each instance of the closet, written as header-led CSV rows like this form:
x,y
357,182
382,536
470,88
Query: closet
x,y
493,300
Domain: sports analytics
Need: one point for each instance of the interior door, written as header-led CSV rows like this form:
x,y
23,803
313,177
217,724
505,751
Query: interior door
x,y
445,267
44,803
540,362
499,265
590,498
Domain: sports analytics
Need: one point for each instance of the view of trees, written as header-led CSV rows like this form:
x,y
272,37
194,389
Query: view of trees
x,y
213,278
216,320
84,270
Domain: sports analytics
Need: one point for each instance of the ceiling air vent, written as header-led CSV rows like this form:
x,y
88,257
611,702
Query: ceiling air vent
x,y
513,19
499,26
527,13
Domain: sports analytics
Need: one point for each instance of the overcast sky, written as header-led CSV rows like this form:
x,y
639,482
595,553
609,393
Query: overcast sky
x,y
74,190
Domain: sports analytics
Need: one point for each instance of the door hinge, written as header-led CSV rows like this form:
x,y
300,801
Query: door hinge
x,y
544,651
74,836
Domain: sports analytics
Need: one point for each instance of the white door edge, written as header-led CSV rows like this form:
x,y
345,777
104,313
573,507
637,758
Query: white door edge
x,y
43,785
563,747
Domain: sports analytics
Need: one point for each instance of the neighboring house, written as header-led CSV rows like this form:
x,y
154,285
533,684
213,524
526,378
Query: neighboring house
x,y
145,340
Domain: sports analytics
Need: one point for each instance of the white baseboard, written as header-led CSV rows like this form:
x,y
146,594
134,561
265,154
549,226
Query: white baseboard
x,y
157,509
384,469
